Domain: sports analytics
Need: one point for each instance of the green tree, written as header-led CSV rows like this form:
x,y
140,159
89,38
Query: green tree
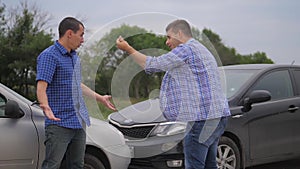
x,y
103,56
2,38
99,57
258,57
23,41
151,45
228,55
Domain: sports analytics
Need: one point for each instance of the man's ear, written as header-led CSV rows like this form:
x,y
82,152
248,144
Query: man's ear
x,y
180,35
69,33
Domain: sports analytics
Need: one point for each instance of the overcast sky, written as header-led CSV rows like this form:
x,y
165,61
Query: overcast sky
x,y
270,26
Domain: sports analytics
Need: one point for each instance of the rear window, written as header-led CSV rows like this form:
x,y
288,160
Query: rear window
x,y
278,83
297,79
2,105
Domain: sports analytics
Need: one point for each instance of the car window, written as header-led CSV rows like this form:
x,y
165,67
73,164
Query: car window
x,y
235,79
297,79
277,83
2,105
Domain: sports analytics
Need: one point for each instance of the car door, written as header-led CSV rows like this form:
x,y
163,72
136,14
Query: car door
x,y
18,141
272,125
296,77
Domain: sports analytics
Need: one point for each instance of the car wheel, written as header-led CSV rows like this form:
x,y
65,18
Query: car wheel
x,y
92,162
228,155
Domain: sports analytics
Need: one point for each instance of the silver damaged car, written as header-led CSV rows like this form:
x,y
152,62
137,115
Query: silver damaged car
x,y
22,137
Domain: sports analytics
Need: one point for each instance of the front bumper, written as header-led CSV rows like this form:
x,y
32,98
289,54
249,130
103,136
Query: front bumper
x,y
172,159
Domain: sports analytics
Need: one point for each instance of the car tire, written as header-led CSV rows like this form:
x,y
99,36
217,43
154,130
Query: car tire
x,y
228,155
92,162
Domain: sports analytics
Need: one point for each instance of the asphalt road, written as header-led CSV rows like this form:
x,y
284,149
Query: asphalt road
x,y
294,164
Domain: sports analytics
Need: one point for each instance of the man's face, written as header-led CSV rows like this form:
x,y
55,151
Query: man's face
x,y
172,39
77,38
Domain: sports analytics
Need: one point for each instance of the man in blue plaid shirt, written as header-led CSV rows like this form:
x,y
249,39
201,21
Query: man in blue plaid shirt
x,y
191,91
60,94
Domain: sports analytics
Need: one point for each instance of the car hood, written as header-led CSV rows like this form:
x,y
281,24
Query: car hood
x,y
106,137
140,113
100,129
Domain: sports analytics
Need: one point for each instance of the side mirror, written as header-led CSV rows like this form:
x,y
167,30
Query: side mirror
x,y
256,96
12,110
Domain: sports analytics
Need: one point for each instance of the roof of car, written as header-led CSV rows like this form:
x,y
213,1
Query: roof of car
x,y
258,66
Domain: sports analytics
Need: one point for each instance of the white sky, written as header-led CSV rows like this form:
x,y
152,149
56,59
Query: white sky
x,y
270,26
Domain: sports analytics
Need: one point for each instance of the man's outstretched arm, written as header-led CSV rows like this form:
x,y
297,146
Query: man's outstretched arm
x,y
105,99
138,57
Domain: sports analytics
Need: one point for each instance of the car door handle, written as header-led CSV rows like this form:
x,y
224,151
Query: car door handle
x,y
293,109
237,116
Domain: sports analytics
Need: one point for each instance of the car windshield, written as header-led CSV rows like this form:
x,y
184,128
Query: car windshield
x,y
235,79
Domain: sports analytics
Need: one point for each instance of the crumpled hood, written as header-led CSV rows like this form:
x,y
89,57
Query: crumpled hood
x,y
104,130
141,113
109,139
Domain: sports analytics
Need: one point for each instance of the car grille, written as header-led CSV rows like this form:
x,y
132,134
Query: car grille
x,y
158,161
137,163
135,132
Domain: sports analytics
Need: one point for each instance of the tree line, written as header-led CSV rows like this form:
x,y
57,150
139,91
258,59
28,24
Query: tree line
x,y
22,38
24,34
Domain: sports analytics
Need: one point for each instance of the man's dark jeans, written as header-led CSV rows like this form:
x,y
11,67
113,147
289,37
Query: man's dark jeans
x,y
62,141
201,143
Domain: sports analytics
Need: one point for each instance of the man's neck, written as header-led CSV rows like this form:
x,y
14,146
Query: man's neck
x,y
64,44
186,39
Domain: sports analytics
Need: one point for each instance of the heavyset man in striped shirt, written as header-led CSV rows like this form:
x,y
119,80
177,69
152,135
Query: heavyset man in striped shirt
x,y
191,91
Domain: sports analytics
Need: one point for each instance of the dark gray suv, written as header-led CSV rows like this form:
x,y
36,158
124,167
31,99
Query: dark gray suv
x,y
264,126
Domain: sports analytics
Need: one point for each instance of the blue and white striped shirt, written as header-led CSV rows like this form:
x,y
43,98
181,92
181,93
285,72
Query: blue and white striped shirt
x,y
191,89
62,71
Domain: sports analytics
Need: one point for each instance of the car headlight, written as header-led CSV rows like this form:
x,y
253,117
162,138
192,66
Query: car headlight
x,y
169,129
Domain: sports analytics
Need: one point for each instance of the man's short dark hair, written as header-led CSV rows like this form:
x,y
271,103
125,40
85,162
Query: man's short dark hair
x,y
68,23
182,25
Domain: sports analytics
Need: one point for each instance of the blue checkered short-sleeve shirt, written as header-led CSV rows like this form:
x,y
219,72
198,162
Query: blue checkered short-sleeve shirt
x,y
61,70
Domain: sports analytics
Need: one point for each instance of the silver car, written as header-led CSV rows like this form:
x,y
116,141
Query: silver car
x,y
22,137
